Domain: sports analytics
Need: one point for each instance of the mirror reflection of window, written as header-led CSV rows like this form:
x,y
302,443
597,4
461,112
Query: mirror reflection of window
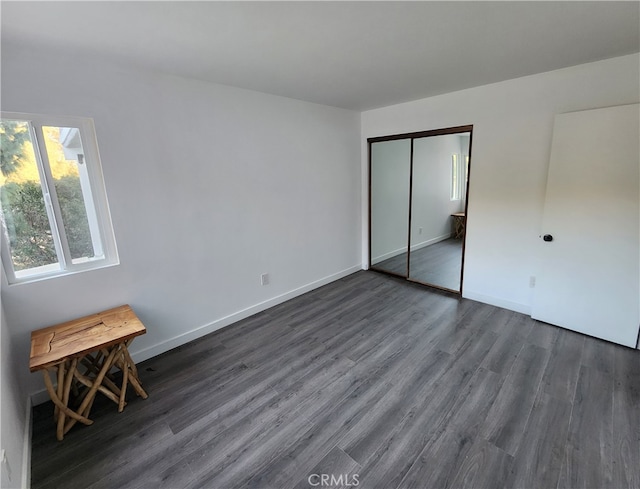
x,y
466,168
456,181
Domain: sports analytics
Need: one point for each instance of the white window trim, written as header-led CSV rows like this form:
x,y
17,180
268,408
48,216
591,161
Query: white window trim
x,y
99,196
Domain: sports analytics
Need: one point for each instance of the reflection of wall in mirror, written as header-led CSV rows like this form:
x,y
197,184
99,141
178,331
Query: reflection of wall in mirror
x,y
390,167
431,199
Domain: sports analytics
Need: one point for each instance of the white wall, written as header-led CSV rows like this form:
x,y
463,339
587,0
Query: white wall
x,y
209,186
12,411
513,122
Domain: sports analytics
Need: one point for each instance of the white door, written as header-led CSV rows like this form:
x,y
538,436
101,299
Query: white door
x,y
589,273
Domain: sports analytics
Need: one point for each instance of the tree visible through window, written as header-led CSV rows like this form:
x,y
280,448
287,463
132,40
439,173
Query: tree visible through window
x,y
52,220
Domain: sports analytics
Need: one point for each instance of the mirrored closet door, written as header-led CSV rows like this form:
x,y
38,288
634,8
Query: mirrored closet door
x,y
418,204
390,172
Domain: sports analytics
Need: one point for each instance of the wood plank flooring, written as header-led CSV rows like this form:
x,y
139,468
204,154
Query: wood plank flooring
x,y
437,264
368,377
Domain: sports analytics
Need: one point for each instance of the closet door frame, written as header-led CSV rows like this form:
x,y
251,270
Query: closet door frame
x,y
412,136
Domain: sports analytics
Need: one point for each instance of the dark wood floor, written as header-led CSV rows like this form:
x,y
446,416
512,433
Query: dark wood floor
x,y
369,376
437,264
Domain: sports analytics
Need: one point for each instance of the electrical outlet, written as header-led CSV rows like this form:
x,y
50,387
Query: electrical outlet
x,y
6,468
264,279
419,230
532,281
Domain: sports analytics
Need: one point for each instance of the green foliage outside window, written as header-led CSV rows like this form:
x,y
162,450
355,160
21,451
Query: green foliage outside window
x,y
12,138
29,231
27,224
23,207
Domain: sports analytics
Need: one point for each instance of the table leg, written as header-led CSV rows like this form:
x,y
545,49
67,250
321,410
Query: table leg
x,y
60,387
60,405
129,364
87,402
66,372
132,364
93,366
89,383
66,387
123,389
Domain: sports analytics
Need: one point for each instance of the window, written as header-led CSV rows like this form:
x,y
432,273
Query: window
x,y
456,178
53,203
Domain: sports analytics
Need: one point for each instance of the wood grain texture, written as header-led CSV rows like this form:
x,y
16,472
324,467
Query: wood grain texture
x,y
451,441
76,338
373,376
543,335
626,419
539,457
362,441
600,355
561,375
508,417
485,466
588,460
438,264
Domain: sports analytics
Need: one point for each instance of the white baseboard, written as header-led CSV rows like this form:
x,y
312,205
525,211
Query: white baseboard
x,y
494,301
26,447
39,397
431,241
196,333
414,247
42,396
386,256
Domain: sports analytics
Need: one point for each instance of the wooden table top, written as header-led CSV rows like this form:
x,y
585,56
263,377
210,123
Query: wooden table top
x,y
52,345
458,214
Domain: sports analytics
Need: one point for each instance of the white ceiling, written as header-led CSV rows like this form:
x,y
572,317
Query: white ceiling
x,y
356,55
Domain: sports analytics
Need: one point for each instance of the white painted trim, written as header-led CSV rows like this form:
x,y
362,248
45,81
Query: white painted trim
x,y
495,301
39,397
386,256
26,447
414,247
167,345
431,241
42,396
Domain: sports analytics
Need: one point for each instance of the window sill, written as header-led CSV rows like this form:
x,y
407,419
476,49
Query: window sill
x,y
55,272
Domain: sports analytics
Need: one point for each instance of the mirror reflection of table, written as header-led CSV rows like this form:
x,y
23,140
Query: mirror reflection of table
x,y
458,224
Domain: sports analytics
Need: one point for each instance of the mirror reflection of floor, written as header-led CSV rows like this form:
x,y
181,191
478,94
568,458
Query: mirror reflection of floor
x,y
437,264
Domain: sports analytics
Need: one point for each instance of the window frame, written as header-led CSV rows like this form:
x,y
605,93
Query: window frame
x,y
91,156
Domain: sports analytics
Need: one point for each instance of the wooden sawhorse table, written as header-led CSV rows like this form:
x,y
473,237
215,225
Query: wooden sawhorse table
x,y
81,353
